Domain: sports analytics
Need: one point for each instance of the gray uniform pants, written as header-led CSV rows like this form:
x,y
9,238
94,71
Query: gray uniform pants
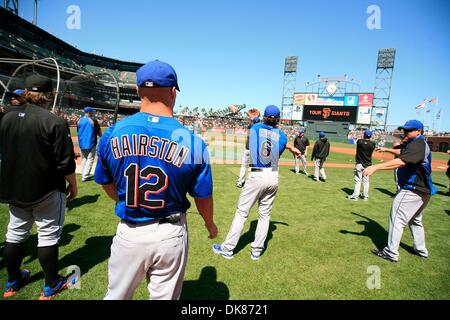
x,y
302,158
48,216
359,177
260,187
87,161
407,209
152,250
319,170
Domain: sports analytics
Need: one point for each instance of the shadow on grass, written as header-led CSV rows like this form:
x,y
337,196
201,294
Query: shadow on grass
x,y
78,202
439,184
95,251
448,212
442,193
376,233
348,191
249,236
386,192
206,287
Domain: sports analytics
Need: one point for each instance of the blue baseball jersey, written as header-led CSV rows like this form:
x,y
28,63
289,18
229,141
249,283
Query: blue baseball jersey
x,y
266,145
87,133
154,162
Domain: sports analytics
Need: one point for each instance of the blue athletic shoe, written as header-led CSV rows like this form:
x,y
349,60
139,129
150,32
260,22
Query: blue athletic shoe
x,y
14,286
217,248
48,293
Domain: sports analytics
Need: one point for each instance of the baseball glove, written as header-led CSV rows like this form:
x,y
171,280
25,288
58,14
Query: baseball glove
x,y
253,113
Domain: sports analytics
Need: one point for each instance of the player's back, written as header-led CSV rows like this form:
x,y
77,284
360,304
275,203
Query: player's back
x,y
267,143
154,162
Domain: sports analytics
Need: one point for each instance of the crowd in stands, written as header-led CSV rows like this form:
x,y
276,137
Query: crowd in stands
x,y
378,135
72,115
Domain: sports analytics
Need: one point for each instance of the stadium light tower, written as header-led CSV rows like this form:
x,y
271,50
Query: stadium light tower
x,y
382,91
12,6
290,78
35,13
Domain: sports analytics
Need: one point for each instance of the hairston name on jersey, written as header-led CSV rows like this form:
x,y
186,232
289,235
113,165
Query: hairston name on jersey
x,y
149,146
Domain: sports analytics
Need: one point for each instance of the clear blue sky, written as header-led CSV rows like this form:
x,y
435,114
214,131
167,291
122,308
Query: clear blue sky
x,y
232,51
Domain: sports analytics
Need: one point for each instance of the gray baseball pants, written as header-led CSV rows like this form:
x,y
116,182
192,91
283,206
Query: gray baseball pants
x,y
244,165
407,209
319,170
87,161
260,187
48,216
359,177
152,250
302,158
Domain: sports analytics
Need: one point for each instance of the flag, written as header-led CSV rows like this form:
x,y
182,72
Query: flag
x,y
422,104
427,111
433,100
438,115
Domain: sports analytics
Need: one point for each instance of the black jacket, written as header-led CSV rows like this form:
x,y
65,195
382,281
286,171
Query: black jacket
x,y
37,152
321,149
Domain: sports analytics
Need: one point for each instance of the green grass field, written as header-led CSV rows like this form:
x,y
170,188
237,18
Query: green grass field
x,y
318,245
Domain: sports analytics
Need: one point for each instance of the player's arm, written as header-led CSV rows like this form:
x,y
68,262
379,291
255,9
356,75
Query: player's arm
x,y
111,190
205,207
293,149
72,189
392,164
392,151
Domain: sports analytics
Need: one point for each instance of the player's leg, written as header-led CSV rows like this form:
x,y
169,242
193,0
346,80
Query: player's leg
x,y
89,163
84,157
316,169
265,206
322,170
297,165
406,205
20,224
126,266
303,159
166,273
418,231
249,195
357,179
366,185
49,216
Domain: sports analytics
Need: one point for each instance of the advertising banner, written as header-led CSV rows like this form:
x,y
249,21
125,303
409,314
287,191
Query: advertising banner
x,y
297,113
351,101
364,115
330,101
365,100
330,113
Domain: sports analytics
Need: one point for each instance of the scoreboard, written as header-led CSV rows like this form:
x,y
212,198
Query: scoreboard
x,y
355,108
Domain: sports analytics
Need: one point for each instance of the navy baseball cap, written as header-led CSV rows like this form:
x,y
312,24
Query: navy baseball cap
x,y
88,109
367,133
322,134
412,124
301,131
256,120
157,74
272,112
38,83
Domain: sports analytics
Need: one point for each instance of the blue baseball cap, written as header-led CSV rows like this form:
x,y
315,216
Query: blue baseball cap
x,y
157,74
88,109
301,131
272,112
412,124
256,120
18,92
322,134
367,133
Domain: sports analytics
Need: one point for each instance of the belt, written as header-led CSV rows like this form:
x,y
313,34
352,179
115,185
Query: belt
x,y
175,217
263,169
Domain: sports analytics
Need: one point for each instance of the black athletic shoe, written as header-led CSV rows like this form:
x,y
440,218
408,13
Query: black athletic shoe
x,y
381,254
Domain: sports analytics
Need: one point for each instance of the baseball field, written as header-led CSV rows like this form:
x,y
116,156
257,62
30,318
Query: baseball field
x,y
318,245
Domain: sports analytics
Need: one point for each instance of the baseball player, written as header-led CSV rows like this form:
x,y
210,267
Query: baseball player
x,y
246,156
267,143
416,188
147,163
37,162
88,130
301,142
320,153
364,150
